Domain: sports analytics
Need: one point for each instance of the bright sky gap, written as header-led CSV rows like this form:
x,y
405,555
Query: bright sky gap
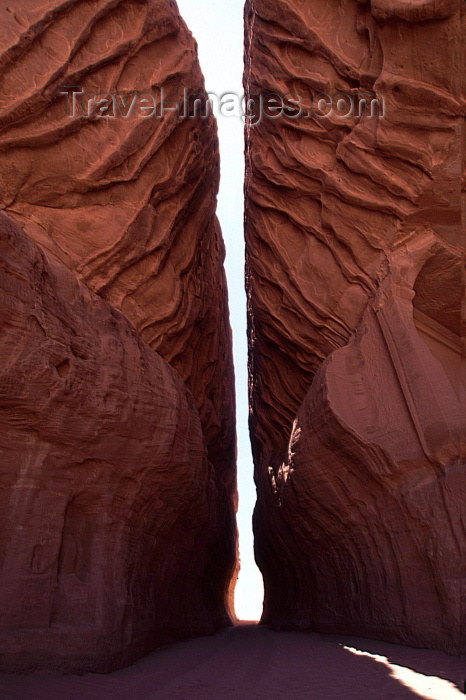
x,y
218,30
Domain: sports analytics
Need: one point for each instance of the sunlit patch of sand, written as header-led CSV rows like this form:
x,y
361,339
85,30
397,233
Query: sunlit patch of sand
x,y
429,687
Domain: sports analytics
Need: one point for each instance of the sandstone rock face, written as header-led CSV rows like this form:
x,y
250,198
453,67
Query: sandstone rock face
x,y
106,489
118,468
355,283
124,199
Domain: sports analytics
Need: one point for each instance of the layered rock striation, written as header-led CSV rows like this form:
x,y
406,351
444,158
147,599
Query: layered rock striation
x,y
123,197
117,402
355,278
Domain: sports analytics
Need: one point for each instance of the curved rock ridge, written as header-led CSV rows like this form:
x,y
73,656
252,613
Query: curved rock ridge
x,y
355,279
108,501
124,199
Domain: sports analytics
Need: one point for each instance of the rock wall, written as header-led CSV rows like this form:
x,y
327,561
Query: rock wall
x,y
124,199
106,488
126,204
355,277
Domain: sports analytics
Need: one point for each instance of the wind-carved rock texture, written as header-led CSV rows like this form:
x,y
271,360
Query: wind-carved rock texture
x,y
127,206
127,203
355,278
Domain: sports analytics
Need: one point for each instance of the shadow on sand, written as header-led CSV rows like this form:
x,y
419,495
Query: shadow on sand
x,y
249,662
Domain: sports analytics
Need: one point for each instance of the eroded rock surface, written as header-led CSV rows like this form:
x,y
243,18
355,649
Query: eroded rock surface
x,y
126,202
118,474
355,281
108,499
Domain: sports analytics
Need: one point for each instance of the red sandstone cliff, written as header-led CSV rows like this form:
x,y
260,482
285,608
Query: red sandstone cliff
x,y
118,491
127,203
355,279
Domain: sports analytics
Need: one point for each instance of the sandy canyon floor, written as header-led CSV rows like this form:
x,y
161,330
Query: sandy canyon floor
x,y
249,662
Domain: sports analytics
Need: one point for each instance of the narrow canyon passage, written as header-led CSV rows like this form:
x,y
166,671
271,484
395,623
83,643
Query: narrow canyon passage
x,y
218,29
123,418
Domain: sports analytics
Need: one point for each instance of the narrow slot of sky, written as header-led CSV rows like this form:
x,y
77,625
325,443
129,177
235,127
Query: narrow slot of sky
x,y
218,29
